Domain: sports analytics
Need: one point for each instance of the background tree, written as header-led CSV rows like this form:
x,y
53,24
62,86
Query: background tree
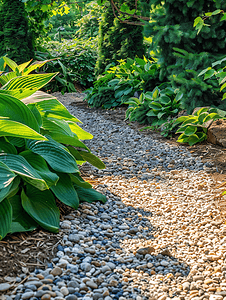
x,y
15,38
119,37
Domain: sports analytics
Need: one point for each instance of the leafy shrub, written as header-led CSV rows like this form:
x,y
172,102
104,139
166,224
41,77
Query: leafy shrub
x,y
184,75
193,128
155,107
126,78
74,60
40,149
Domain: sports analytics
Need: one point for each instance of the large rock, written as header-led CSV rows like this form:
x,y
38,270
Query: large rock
x,y
216,133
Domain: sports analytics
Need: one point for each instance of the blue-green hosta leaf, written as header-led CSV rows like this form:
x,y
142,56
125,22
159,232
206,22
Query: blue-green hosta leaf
x,y
92,159
16,129
65,192
21,221
54,109
41,206
89,195
5,218
40,165
6,191
20,166
14,187
17,111
16,141
57,157
24,86
81,133
6,175
77,179
6,147
68,140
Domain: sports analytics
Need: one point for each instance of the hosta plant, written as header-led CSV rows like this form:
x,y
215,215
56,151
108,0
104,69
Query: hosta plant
x,y
155,107
40,149
193,128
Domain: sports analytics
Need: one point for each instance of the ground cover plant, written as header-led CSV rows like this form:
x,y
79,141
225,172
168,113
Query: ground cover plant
x,y
40,149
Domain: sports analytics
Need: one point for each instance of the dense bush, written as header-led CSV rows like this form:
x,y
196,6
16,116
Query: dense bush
x,y
15,38
120,82
172,27
74,60
41,147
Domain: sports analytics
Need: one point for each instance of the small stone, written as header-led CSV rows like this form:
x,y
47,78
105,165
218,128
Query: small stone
x,y
198,277
166,252
164,263
144,251
56,271
4,287
186,286
64,291
46,297
216,297
27,295
71,297
105,269
75,238
208,281
91,284
86,267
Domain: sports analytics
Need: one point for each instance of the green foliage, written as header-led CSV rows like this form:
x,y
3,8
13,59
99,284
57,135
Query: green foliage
x,y
118,40
184,75
193,128
15,37
120,82
218,73
155,107
40,149
74,60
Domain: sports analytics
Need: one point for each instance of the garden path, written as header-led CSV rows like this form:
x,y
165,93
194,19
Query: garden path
x,y
159,236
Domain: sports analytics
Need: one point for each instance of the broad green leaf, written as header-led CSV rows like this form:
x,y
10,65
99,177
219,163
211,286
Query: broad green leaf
x,y
77,179
218,11
5,192
34,66
40,165
10,63
92,159
76,154
41,206
155,105
68,140
7,77
191,120
6,147
14,188
151,113
21,67
24,86
160,114
181,119
5,218
223,86
165,100
209,74
89,195
57,126
37,97
190,130
21,221
16,129
201,110
6,175
193,139
34,110
212,116
20,166
17,111
54,109
202,116
58,158
16,141
65,192
224,17
81,133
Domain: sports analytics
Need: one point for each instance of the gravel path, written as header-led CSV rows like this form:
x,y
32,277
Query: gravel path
x,y
158,236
